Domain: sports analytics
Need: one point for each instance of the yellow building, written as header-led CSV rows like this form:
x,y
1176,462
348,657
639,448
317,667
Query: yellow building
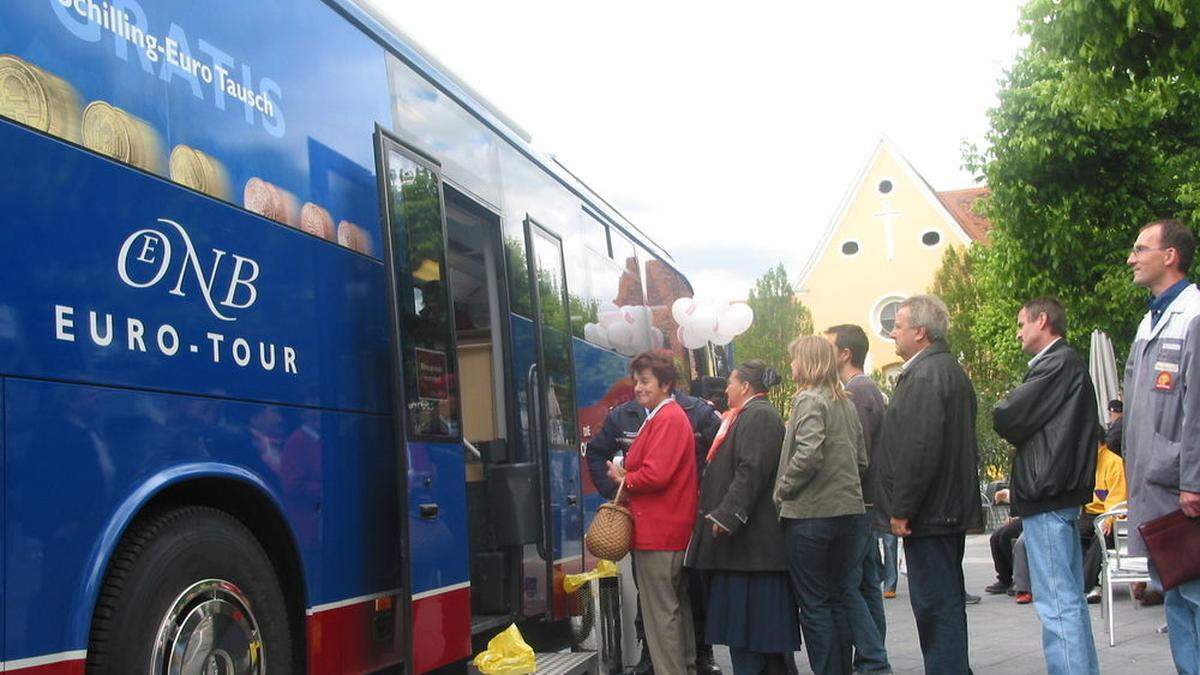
x,y
884,244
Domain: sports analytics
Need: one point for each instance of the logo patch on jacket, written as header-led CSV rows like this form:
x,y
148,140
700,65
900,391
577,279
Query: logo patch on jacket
x,y
1164,381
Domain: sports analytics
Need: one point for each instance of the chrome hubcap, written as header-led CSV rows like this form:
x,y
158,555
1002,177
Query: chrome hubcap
x,y
209,630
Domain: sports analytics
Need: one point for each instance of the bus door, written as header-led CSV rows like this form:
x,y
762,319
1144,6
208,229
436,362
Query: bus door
x,y
425,392
550,387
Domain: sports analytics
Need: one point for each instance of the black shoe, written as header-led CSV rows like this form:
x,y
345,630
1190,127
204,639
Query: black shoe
x,y
971,599
705,664
998,588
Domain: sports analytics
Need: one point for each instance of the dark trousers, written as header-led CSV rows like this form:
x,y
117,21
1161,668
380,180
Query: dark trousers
x,y
746,662
821,555
935,588
1002,549
868,624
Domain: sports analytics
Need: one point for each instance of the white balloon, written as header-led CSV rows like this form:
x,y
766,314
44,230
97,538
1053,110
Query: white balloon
x,y
694,338
680,309
702,319
620,335
736,319
595,334
609,316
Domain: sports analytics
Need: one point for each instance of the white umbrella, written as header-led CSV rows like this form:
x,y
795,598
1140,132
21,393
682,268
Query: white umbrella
x,y
1102,366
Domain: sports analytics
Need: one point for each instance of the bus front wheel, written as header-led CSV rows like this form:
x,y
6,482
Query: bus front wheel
x,y
190,590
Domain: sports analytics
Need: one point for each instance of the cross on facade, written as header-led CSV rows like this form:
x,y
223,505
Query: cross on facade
x,y
886,216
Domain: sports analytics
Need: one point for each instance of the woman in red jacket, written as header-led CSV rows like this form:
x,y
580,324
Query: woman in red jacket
x,y
660,481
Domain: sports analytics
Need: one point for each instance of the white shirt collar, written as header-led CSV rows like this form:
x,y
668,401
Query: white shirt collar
x,y
1044,350
904,366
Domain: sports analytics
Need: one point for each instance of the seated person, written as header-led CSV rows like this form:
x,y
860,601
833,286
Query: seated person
x,y
1002,548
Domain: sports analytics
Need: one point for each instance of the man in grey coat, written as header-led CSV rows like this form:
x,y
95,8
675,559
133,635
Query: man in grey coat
x,y
1162,410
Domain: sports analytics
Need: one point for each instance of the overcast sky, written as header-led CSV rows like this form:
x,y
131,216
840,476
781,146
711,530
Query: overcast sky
x,y
730,133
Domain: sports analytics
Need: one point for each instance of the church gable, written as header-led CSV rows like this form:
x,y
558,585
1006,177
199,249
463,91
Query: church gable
x,y
889,209
885,243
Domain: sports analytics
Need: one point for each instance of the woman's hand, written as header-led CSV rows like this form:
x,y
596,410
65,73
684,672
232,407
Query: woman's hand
x,y
718,530
616,473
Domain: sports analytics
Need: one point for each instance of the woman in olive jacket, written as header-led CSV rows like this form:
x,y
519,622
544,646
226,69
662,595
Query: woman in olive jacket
x,y
819,497
739,540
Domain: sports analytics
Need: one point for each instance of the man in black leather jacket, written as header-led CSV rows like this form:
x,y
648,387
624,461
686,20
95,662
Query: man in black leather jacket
x,y
620,428
1051,420
930,478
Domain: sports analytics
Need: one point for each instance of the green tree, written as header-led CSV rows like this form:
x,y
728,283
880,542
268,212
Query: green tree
x,y
1097,132
778,318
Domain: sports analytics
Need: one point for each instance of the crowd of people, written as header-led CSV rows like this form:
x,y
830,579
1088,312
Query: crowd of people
x,y
766,535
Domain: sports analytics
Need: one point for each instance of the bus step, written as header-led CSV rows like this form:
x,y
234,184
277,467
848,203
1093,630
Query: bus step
x,y
564,663
569,663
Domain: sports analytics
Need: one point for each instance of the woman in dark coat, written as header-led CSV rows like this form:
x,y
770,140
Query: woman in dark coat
x,y
739,541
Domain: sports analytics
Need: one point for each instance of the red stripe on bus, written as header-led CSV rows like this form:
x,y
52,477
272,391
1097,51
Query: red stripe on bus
x,y
441,629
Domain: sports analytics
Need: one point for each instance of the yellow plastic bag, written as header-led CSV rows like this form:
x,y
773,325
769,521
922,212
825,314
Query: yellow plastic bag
x,y
506,653
604,569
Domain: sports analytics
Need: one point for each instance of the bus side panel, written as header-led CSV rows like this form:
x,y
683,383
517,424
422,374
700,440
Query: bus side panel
x,y
438,555
128,280
76,453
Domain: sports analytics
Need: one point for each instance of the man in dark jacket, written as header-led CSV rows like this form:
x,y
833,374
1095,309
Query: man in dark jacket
x,y
1052,422
865,615
616,435
930,478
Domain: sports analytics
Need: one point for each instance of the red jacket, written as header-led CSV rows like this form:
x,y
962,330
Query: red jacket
x,y
661,481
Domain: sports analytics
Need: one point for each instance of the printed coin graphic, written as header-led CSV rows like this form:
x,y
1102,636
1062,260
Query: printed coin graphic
x,y
187,168
317,221
22,98
106,130
257,197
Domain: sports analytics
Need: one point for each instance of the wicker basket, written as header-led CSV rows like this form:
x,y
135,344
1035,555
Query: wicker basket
x,y
610,535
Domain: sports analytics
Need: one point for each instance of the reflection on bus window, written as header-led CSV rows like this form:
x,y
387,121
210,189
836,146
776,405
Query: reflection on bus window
x,y
556,339
415,207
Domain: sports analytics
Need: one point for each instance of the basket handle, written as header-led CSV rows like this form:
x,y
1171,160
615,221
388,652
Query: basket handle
x,y
617,497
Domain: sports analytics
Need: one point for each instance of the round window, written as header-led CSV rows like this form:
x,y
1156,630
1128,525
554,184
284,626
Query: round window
x,y
931,238
885,186
849,248
887,318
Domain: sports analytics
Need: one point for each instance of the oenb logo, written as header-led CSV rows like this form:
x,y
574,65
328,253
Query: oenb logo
x,y
149,258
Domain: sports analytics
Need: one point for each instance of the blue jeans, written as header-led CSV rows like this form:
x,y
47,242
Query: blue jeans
x,y
1056,579
1183,618
821,555
867,623
890,574
935,589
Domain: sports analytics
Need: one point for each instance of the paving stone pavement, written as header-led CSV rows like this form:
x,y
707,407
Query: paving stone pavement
x,y
1006,637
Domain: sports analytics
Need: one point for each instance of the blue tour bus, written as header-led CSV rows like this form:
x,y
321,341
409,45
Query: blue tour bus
x,y
299,344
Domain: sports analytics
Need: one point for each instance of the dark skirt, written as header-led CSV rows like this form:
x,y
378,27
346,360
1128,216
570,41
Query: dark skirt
x,y
754,611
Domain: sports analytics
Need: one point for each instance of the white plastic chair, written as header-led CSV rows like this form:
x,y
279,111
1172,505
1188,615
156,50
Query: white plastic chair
x,y
1117,566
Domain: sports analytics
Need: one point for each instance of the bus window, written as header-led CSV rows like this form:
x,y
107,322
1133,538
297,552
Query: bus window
x,y
415,215
556,337
663,287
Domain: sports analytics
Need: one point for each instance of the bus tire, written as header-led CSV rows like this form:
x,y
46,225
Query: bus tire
x,y
179,578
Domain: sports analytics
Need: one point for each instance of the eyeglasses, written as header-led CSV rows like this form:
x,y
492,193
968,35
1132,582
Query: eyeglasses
x,y
1139,250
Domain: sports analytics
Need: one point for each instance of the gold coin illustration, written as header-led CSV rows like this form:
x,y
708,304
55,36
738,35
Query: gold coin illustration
x,y
38,99
200,171
115,133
